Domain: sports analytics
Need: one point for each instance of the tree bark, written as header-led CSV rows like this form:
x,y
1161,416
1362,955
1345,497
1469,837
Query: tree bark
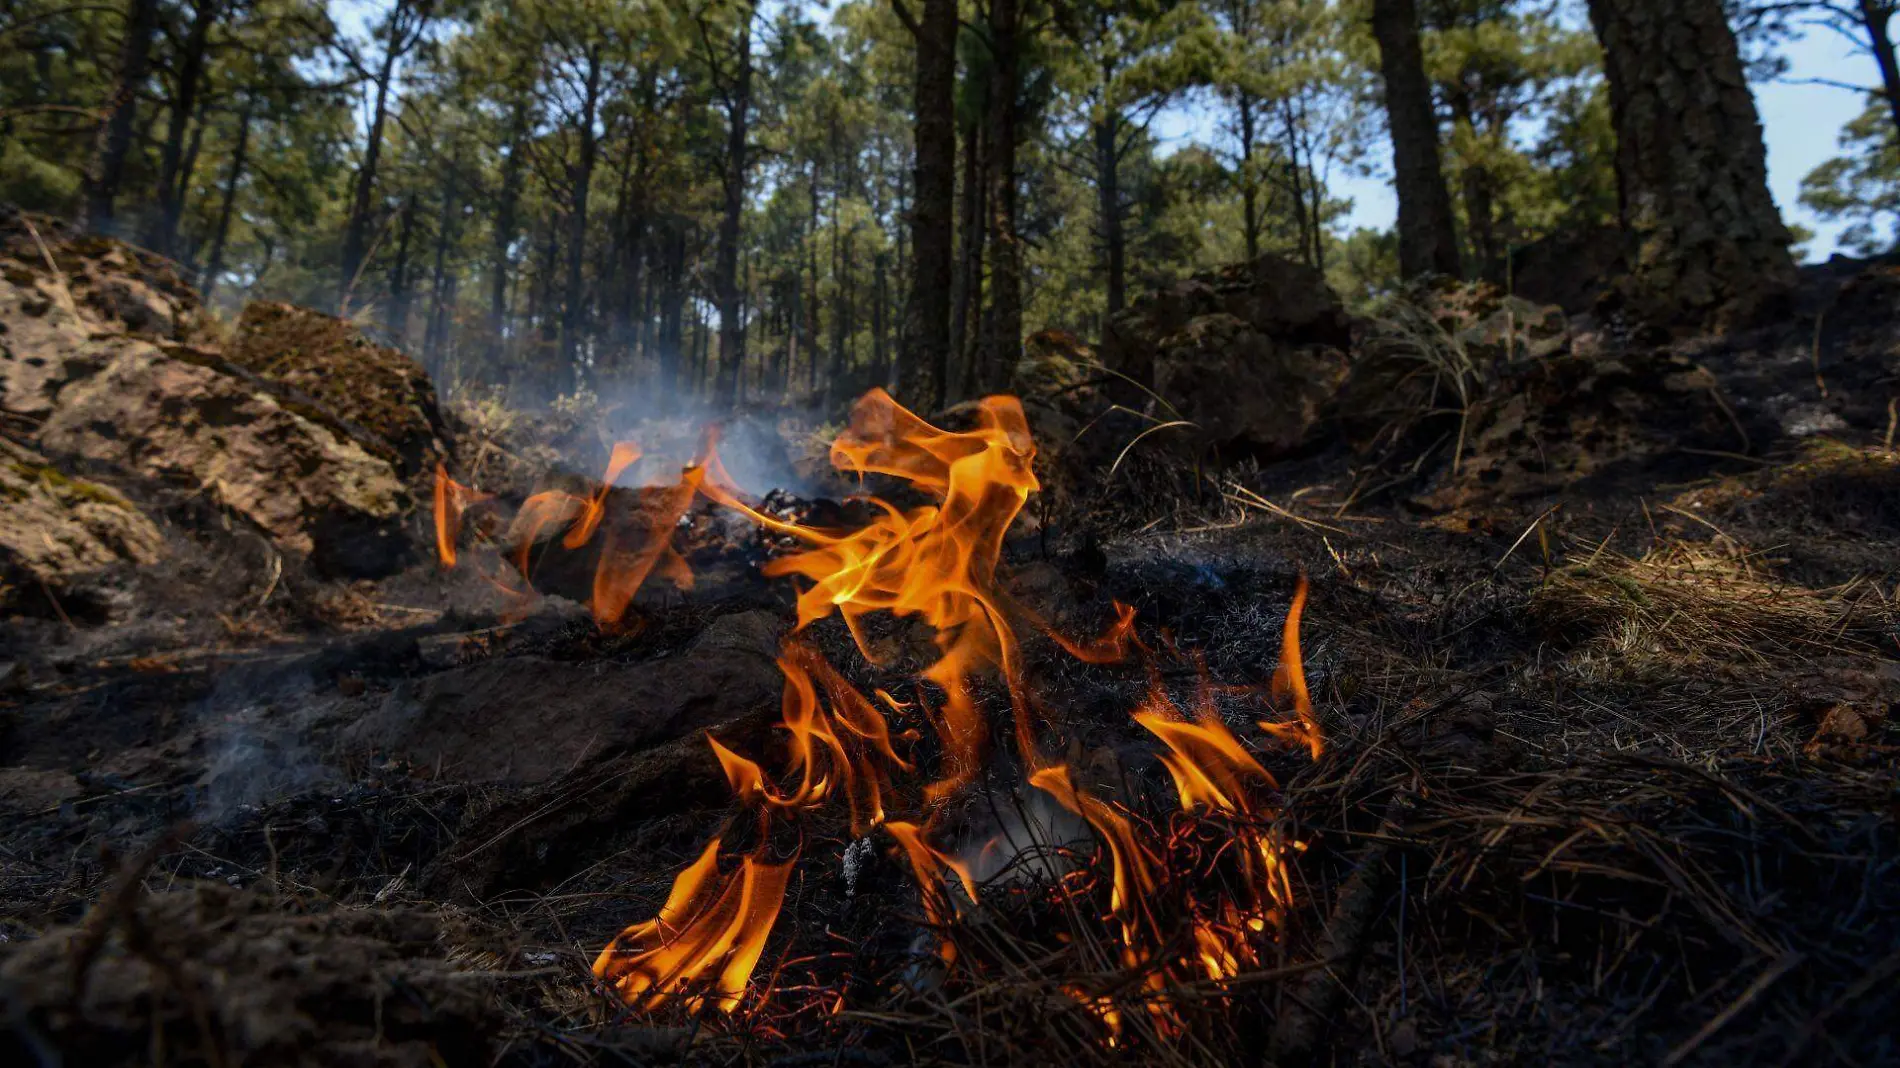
x,y
504,229
356,231
1428,243
1108,188
184,104
1005,341
1245,110
214,263
726,272
581,179
672,308
925,361
1875,17
967,287
1706,245
400,280
113,141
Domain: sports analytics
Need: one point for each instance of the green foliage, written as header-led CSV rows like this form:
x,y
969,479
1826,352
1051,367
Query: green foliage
x,y
1861,188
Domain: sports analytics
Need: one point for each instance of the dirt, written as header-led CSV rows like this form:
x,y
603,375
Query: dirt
x,y
1613,736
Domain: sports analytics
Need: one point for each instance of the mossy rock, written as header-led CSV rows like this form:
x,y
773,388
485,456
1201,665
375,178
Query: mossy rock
x,y
327,359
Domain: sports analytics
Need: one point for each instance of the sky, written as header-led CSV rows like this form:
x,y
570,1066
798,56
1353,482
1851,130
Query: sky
x,y
1800,122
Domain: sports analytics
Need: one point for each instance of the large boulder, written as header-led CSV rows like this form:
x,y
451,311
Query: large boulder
x,y
312,490
61,537
93,368
1251,354
379,391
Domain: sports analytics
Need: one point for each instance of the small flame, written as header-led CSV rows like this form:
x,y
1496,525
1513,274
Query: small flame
x,y
451,500
1289,683
707,938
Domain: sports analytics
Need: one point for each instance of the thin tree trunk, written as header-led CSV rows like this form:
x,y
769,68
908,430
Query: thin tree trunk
x,y
435,330
925,361
356,232
969,307
1706,245
214,264
184,105
1006,278
113,140
673,308
1108,188
1428,243
504,228
400,282
581,176
1875,17
726,270
1244,105
811,306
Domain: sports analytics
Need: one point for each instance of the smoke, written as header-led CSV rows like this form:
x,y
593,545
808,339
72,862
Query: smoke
x,y
256,726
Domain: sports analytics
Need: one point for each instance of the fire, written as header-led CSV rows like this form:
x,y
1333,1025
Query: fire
x,y
629,552
1196,898
934,561
707,938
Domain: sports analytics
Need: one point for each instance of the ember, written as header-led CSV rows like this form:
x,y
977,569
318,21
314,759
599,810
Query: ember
x,y
938,562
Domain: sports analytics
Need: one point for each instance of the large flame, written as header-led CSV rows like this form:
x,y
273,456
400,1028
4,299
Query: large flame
x,y
934,560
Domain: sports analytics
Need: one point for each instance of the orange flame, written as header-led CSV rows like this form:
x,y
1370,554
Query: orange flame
x,y
451,500
935,561
1289,683
707,938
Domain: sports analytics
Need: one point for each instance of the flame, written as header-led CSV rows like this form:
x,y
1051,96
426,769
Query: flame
x,y
934,561
451,500
707,938
1289,683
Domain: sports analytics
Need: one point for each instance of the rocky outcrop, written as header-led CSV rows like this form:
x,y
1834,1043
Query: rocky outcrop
x,y
158,417
61,537
1251,355
378,390
100,366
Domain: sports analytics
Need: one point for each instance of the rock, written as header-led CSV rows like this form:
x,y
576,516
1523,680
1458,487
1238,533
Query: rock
x,y
311,988
1428,352
60,536
177,422
378,389
1250,354
527,719
1551,424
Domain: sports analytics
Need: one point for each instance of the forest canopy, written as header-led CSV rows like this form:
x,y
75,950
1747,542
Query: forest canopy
x,y
795,201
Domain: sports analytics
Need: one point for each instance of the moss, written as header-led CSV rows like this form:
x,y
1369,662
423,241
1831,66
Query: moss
x,y
65,486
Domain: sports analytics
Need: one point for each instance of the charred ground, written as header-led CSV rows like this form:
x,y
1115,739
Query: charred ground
x,y
1604,633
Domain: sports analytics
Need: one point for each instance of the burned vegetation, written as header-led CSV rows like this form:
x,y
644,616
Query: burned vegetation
x,y
1525,695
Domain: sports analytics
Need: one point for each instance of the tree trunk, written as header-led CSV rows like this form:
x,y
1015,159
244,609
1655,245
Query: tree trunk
x,y
726,273
1706,245
504,229
1108,186
925,361
1005,340
113,141
1244,107
811,306
400,282
356,231
435,331
672,309
184,104
1875,17
1428,243
967,287
581,178
214,264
